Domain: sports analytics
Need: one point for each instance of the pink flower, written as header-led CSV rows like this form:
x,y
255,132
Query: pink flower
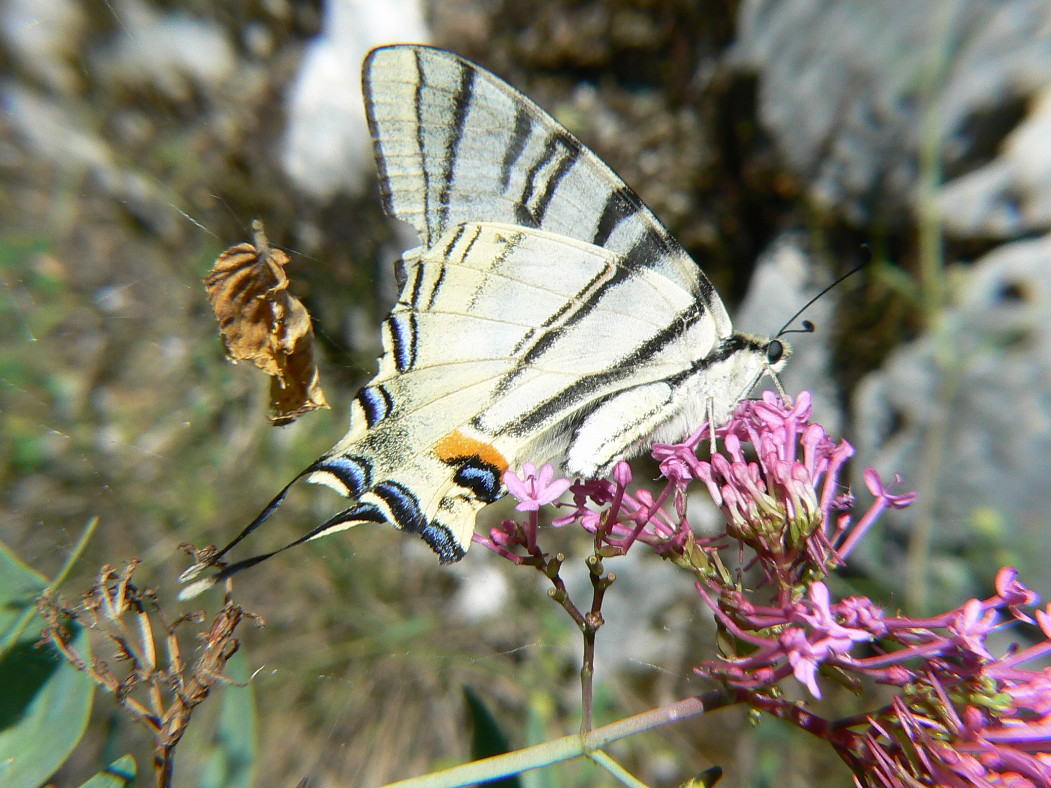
x,y
1014,593
804,656
825,629
875,485
862,612
533,489
971,625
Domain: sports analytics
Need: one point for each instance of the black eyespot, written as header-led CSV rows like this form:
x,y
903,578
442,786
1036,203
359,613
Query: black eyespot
x,y
1013,292
774,351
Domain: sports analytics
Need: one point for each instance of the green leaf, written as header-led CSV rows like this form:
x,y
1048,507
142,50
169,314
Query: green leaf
x,y
488,739
44,701
119,774
19,588
233,748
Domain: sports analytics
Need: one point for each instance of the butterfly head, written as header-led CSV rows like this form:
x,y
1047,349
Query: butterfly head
x,y
770,356
776,354
723,378
756,357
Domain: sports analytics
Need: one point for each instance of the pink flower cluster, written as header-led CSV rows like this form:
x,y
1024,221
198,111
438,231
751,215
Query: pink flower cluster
x,y
969,718
961,715
786,504
794,640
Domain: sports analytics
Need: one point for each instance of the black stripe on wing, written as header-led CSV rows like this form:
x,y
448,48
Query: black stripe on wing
x,y
421,144
561,151
513,151
621,204
626,368
579,310
461,107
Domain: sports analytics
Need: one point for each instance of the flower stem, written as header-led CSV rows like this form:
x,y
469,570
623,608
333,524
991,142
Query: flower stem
x,y
589,627
603,759
571,746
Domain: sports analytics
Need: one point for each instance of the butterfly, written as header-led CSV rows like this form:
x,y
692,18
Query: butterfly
x,y
546,314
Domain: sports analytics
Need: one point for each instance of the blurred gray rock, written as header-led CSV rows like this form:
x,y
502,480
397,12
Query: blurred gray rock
x,y
963,413
42,36
1010,195
170,53
56,131
855,95
851,90
327,147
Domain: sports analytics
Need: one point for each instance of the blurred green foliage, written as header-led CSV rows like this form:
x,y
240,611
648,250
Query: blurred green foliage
x,y
44,700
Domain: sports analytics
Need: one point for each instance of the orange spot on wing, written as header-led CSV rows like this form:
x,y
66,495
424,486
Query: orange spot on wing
x,y
457,446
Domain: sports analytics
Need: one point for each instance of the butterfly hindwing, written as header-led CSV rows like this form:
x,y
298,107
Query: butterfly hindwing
x,y
486,365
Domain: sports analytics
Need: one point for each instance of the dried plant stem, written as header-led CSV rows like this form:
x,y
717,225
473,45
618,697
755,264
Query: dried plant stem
x,y
167,688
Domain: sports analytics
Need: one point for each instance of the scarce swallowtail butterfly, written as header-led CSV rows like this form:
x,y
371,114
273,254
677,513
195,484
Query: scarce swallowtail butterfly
x,y
546,314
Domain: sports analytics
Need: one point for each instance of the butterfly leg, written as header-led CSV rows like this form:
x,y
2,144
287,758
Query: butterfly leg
x,y
709,406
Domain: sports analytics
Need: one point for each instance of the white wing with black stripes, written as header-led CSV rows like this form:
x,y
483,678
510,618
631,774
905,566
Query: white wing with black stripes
x,y
490,154
546,315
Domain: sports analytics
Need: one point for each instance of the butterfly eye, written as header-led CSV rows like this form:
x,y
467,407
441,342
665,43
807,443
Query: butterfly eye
x,y
774,351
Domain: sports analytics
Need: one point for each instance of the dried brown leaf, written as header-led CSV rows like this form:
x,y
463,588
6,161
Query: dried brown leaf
x,y
262,322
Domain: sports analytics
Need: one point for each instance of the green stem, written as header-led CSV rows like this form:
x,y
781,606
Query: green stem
x,y
568,747
601,758
587,683
933,289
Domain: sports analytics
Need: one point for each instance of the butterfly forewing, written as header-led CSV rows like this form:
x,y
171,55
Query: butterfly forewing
x,y
455,144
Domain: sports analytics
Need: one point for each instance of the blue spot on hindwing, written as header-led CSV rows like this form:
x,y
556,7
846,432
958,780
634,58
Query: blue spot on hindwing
x,y
403,338
367,512
440,538
376,403
404,506
480,478
405,511
354,472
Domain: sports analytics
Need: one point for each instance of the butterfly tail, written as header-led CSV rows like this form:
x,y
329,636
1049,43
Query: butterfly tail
x,y
261,518
349,517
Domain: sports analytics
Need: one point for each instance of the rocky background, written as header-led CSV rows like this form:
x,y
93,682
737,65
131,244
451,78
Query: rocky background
x,y
782,142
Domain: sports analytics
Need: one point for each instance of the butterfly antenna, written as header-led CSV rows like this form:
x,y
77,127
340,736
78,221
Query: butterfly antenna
x,y
808,327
